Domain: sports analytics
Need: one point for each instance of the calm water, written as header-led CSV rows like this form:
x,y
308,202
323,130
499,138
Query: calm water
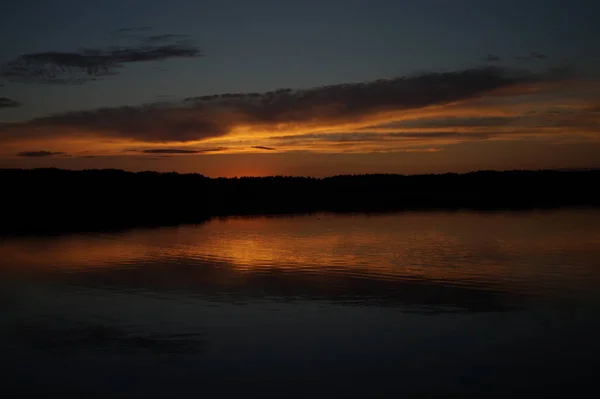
x,y
322,306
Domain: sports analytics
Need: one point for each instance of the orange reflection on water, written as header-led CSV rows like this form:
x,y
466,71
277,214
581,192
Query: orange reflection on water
x,y
459,248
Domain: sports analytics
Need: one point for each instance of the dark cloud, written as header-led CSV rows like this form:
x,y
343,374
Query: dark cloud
x,y
85,65
538,56
40,154
152,53
490,58
528,122
384,94
106,156
153,123
216,115
262,147
166,37
453,122
182,151
360,137
134,30
533,56
8,103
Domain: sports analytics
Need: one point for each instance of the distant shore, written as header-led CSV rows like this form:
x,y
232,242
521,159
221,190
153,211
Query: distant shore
x,y
47,201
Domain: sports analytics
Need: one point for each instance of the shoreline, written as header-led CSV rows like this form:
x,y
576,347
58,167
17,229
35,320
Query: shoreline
x,y
55,201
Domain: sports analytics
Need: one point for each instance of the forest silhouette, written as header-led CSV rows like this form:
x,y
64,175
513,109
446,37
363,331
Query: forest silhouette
x,y
41,201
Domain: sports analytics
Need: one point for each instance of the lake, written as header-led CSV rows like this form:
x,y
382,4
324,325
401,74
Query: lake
x,y
414,304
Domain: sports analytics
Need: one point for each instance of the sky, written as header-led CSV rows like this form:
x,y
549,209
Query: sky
x,y
313,87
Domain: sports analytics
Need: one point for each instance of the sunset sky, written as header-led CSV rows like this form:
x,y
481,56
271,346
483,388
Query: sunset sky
x,y
237,87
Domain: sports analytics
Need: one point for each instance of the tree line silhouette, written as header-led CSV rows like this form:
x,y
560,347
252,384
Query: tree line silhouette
x,y
56,200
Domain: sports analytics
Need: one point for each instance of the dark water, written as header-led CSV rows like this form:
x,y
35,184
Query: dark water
x,y
405,305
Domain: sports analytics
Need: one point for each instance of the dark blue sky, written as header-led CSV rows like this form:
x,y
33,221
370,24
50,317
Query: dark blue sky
x,y
264,45
257,46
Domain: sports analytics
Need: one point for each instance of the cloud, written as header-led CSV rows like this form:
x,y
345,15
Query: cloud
x,y
76,67
8,103
165,37
35,154
134,29
182,151
357,142
533,56
151,123
557,124
262,147
454,122
326,107
490,58
371,136
538,56
573,121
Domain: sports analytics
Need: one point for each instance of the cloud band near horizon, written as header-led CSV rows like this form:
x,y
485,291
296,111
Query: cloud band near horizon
x,y
404,113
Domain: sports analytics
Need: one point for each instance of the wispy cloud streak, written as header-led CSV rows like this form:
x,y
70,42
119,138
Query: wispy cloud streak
x,y
76,67
37,154
8,103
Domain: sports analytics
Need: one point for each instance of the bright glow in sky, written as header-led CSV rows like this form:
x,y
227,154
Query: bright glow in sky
x,y
370,86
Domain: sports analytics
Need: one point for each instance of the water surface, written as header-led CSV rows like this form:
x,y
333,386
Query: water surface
x,y
412,304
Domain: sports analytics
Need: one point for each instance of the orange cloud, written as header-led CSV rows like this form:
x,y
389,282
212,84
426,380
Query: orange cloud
x,y
420,113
